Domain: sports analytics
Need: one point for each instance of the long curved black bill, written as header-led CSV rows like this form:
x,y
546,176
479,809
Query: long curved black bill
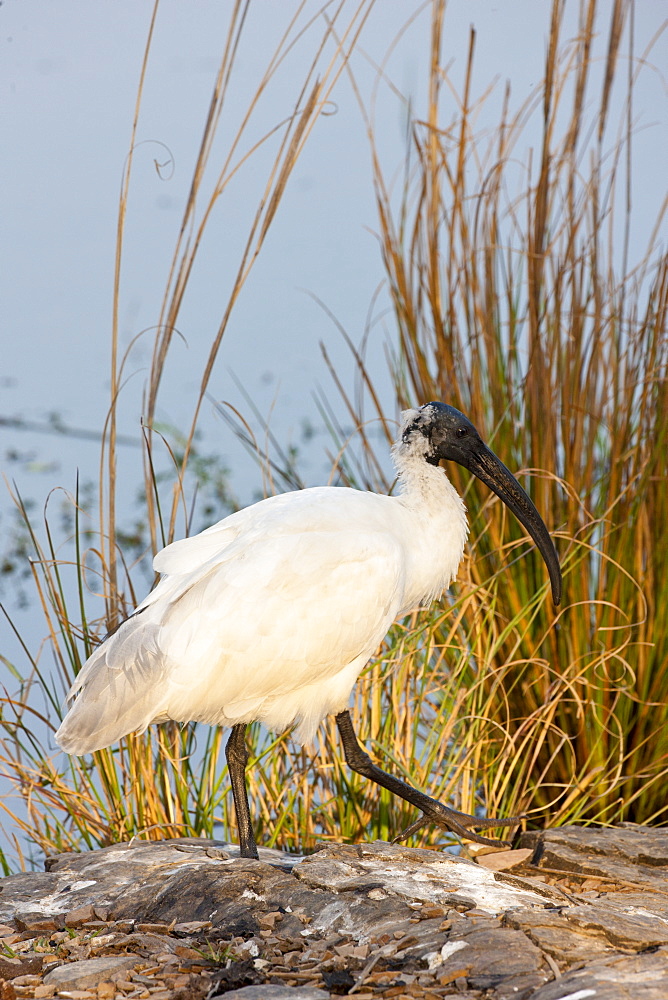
x,y
484,464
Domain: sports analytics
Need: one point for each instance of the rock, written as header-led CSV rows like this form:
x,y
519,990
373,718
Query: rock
x,y
490,956
413,875
10,968
578,932
90,972
499,861
377,918
104,879
164,881
628,931
551,932
236,976
634,854
637,977
18,891
271,992
83,914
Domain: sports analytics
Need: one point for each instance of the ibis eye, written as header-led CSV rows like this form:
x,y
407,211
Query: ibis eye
x,y
461,432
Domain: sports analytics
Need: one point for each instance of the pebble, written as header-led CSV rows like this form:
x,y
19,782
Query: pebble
x,y
272,992
80,975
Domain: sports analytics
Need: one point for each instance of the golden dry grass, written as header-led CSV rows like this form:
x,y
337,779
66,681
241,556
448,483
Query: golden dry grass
x,y
515,299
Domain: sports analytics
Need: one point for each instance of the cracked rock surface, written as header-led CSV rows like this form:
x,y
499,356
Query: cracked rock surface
x,y
571,912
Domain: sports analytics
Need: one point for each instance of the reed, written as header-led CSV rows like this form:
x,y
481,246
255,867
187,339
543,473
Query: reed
x,y
526,311
169,780
515,298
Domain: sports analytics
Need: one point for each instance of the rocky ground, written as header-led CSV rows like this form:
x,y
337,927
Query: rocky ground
x,y
572,914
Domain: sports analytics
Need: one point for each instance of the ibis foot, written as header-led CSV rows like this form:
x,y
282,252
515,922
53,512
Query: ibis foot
x,y
459,823
236,754
432,810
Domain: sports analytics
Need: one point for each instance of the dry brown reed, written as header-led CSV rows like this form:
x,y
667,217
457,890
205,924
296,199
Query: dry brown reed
x,y
514,299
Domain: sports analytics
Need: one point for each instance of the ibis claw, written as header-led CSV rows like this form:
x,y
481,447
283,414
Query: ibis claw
x,y
459,823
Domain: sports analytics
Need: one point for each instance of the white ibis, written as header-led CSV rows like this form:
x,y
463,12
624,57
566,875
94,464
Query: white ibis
x,y
271,614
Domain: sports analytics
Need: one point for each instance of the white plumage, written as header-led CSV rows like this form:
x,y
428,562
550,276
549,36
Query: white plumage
x,y
272,613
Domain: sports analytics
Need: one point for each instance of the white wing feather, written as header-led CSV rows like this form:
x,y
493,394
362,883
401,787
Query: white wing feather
x,y
268,615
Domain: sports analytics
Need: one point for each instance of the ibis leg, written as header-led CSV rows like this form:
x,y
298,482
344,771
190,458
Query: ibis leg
x,y
432,810
236,753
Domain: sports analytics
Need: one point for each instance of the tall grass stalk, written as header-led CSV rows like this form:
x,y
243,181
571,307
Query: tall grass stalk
x,y
514,297
525,310
164,782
